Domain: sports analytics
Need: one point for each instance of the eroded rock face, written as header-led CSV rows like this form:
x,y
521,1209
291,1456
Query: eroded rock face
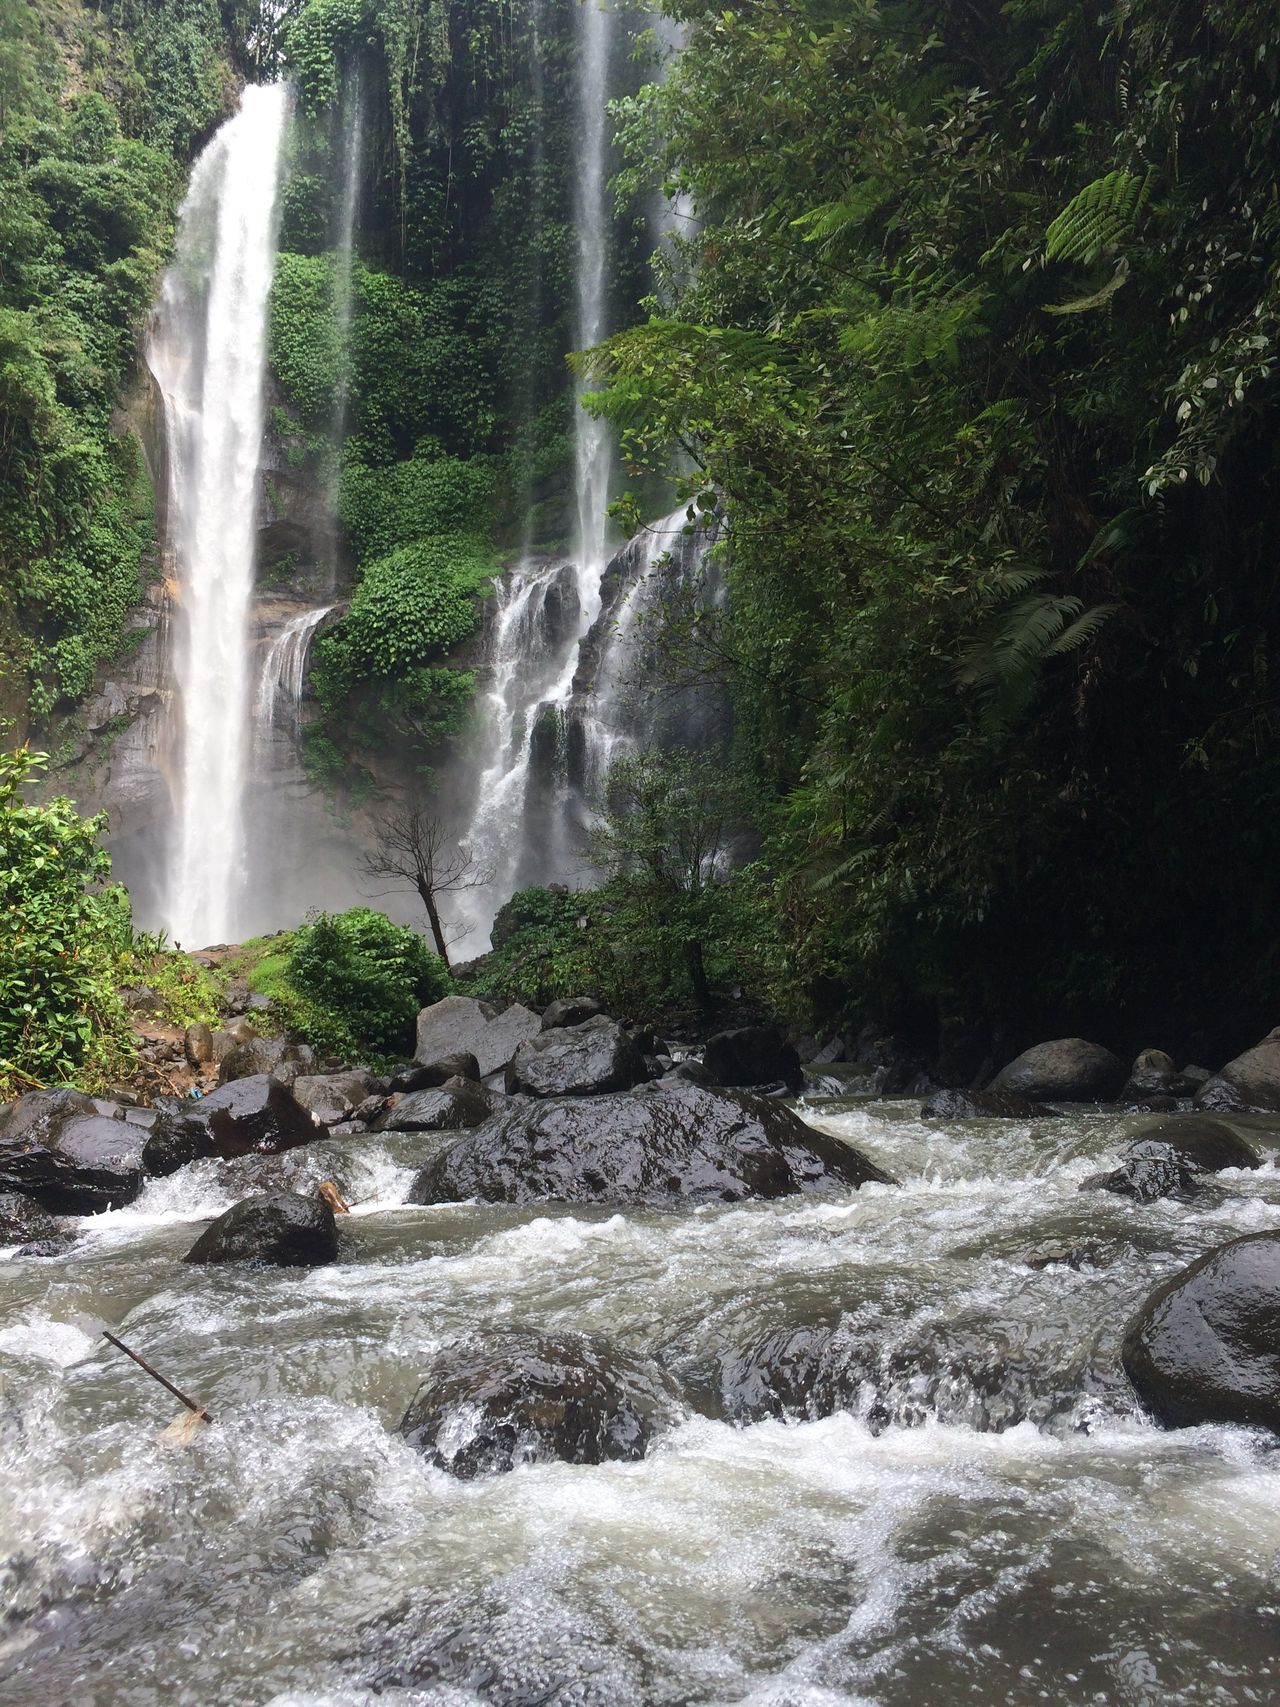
x,y
280,1229
1067,1070
667,1144
580,1060
1251,1081
529,1398
460,1025
981,1105
455,1106
57,1148
1205,1347
752,1055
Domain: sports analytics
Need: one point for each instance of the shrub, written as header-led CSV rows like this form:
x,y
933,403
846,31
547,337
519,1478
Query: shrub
x,y
360,981
63,932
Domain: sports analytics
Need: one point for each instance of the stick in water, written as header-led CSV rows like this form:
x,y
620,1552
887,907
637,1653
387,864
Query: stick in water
x,y
201,1413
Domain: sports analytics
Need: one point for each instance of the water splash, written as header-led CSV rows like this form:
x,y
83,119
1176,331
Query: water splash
x,y
207,350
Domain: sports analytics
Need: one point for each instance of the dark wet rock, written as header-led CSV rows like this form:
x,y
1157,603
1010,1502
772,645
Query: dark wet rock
x,y
570,1010
366,1112
1157,1173
461,1025
1153,1074
690,1072
260,1055
331,1097
580,1060
257,1114
1208,1146
23,1221
1067,1070
280,1228
752,1055
829,1053
56,1245
1193,1077
665,1144
197,1044
981,1105
487,1406
1205,1347
1089,1254
1152,1105
1251,1081
807,1372
427,1076
455,1106
73,1162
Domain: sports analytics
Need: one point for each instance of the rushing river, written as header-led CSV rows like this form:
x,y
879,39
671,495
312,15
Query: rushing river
x,y
992,1523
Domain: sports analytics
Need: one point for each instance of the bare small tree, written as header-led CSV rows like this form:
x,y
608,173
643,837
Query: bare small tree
x,y
415,854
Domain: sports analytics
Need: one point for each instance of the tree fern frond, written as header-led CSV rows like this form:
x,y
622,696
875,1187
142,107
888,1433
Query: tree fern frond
x,y
1080,631
1097,218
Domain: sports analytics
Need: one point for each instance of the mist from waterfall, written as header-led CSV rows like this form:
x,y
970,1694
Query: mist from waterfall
x,y
207,351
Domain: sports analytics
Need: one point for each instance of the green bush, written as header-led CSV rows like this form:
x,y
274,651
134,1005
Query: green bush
x,y
540,950
360,981
383,508
63,932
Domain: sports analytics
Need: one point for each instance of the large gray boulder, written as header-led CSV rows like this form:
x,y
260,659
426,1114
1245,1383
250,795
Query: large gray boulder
x,y
1251,1081
577,1060
529,1398
74,1154
332,1097
666,1144
455,1106
1205,1347
1067,1070
280,1229
461,1025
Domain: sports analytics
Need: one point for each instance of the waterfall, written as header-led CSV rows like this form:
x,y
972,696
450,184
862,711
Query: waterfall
x,y
207,351
283,675
593,451
344,262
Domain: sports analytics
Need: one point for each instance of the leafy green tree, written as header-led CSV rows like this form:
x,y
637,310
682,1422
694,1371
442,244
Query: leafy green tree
x,y
356,982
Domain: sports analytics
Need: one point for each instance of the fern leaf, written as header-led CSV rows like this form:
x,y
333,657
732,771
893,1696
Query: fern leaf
x,y
1097,218
1080,632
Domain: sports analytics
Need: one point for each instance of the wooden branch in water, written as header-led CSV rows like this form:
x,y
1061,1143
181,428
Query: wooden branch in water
x,y
201,1413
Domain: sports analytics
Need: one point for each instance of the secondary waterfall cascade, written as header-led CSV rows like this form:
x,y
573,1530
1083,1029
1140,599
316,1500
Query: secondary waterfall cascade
x,y
283,676
207,351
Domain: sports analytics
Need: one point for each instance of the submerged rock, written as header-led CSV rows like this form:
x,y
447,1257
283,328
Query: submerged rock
x,y
280,1228
1208,1146
1155,1173
1250,1082
794,1373
424,1078
452,1107
461,1025
578,1060
981,1105
668,1143
56,1147
1067,1070
1205,1347
752,1055
528,1398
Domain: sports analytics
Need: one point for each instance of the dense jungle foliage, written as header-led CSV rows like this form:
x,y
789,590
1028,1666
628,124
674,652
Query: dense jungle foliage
x,y
977,341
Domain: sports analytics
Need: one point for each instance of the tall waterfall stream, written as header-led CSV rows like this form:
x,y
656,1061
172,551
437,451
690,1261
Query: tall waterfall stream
x,y
990,1522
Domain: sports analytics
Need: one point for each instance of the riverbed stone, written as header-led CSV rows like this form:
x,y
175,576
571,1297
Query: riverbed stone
x,y
666,1144
1205,1347
1070,1069
331,1097
460,1024
1206,1145
1155,1172
74,1163
282,1229
1154,1073
486,1406
752,1055
981,1105
23,1221
1250,1082
455,1106
426,1076
247,1116
578,1060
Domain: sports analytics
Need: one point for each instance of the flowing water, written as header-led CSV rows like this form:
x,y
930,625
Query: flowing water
x,y
207,351
282,678
990,1522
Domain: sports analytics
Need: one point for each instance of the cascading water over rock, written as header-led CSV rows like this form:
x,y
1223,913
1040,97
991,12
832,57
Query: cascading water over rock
x,y
207,350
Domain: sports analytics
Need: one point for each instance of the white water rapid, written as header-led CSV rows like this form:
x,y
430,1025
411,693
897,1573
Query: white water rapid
x,y
207,350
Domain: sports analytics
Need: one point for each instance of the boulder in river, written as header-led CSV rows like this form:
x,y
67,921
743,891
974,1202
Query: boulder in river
x,y
331,1097
426,1076
1205,1347
570,1010
1067,1070
455,1106
1153,1074
981,1105
461,1025
793,1373
57,1147
259,1055
23,1221
1156,1171
577,1060
1251,1081
1167,1159
280,1229
666,1144
752,1055
247,1116
526,1398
